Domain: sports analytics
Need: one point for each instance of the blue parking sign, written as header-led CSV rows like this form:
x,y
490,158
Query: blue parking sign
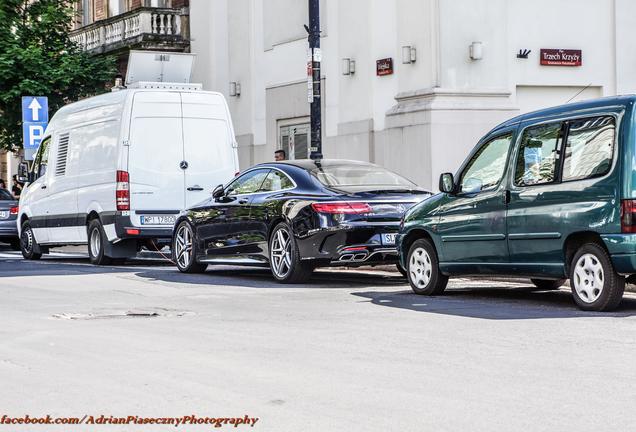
x,y
35,109
35,118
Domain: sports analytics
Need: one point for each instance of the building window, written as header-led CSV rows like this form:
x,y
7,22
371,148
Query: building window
x,y
294,139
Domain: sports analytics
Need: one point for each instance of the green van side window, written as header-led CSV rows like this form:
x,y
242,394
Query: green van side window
x,y
487,166
537,159
589,149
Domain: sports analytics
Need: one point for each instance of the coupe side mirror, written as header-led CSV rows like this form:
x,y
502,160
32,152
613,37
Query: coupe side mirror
x,y
447,183
23,172
218,192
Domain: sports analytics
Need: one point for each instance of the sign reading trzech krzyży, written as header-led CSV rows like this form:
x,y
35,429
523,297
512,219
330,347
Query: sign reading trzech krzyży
x,y
561,57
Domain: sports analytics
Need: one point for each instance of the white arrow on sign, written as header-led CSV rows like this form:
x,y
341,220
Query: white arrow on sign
x,y
35,108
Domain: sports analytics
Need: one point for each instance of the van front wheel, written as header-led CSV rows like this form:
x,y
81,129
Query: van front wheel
x,y
28,244
595,284
423,269
96,243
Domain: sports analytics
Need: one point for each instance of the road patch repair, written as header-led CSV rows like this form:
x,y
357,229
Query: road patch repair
x,y
119,314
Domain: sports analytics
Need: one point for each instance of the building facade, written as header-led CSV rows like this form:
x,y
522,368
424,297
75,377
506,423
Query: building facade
x,y
459,67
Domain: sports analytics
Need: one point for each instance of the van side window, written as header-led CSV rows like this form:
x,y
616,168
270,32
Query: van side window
x,y
589,148
538,155
41,159
487,166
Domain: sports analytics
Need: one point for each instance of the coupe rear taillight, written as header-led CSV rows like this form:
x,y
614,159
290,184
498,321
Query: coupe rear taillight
x,y
14,210
122,191
342,207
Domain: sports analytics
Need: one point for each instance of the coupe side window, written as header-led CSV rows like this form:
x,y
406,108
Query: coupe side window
x,y
537,159
276,181
487,167
589,148
248,183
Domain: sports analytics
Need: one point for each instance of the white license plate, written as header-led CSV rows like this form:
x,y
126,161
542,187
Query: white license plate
x,y
388,239
158,220
4,215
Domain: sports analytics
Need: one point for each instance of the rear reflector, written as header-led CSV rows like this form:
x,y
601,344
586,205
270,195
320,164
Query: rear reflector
x,y
14,210
122,191
342,207
628,216
132,231
355,249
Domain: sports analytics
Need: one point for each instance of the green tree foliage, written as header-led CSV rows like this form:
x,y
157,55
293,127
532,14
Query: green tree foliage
x,y
37,58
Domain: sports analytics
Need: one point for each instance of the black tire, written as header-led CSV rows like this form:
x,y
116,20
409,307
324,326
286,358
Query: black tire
x,y
96,243
28,244
585,279
423,271
184,249
292,269
15,244
547,284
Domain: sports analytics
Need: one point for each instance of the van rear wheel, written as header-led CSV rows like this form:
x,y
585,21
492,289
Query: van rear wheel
x,y
595,284
96,243
28,244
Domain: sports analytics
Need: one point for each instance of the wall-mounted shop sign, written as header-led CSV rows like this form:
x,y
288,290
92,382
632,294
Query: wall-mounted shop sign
x,y
561,57
384,67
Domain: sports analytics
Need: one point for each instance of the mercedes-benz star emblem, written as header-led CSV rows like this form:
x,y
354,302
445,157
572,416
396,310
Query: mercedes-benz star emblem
x,y
183,165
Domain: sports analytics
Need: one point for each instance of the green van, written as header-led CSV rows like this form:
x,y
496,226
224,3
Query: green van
x,y
548,195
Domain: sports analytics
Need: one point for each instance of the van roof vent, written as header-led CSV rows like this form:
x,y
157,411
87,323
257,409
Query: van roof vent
x,y
165,85
62,155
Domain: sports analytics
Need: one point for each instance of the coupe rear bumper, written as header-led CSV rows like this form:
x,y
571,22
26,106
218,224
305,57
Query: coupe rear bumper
x,y
8,229
350,245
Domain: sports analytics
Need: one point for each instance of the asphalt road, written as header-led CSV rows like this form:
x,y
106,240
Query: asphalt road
x,y
351,351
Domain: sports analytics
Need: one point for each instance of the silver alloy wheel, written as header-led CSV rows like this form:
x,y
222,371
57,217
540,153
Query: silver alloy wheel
x,y
280,254
420,268
588,278
183,246
96,242
27,240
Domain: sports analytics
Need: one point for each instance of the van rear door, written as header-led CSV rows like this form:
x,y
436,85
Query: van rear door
x,y
208,145
157,192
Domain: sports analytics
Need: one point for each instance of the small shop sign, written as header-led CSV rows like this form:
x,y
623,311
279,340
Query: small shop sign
x,y
384,67
561,57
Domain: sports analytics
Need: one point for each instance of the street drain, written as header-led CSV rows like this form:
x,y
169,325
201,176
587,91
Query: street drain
x,y
119,314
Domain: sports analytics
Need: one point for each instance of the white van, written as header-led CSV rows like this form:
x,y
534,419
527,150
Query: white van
x,y
114,171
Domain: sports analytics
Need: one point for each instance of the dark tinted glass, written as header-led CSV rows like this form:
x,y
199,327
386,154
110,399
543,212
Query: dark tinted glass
x,y
5,195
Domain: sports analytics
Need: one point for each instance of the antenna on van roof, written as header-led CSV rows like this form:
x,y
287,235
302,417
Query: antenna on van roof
x,y
580,91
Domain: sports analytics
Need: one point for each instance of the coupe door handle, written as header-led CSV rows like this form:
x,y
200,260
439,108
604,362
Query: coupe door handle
x,y
243,201
195,188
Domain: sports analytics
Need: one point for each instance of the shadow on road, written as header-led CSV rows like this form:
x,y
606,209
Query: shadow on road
x,y
245,277
494,303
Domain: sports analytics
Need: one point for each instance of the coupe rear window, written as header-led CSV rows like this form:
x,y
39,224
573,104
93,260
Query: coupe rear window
x,y
5,195
359,175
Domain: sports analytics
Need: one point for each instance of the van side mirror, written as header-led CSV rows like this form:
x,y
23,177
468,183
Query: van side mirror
x,y
23,172
447,183
218,192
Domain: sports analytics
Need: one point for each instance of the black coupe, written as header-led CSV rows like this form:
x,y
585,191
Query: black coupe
x,y
295,216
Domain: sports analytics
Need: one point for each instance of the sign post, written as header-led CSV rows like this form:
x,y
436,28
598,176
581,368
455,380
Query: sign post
x,y
314,96
35,118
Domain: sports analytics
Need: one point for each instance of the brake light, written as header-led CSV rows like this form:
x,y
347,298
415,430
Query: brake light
x,y
122,191
342,207
14,210
131,231
628,216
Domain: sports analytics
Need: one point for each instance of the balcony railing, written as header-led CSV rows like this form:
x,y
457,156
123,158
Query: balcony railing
x,y
152,28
